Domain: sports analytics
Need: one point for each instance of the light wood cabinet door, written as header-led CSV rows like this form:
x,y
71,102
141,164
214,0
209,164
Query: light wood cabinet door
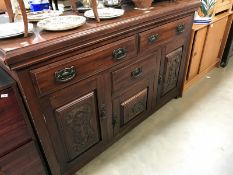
x,y
196,55
213,43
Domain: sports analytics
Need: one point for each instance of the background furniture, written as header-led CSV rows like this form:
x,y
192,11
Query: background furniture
x,y
208,43
18,151
223,5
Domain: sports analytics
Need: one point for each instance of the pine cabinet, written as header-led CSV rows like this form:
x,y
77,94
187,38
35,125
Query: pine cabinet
x,y
206,47
213,43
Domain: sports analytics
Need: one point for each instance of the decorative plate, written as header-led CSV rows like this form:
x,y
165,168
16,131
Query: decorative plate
x,y
8,30
105,13
61,23
37,16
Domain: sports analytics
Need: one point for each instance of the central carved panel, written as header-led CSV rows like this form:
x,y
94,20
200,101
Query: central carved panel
x,y
133,106
79,126
171,70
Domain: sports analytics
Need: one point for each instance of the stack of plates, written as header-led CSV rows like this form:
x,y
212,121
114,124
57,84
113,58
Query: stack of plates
x,y
8,30
37,16
61,23
105,13
201,20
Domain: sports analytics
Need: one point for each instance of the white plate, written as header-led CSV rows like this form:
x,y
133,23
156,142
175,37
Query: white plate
x,y
8,30
105,13
61,23
37,16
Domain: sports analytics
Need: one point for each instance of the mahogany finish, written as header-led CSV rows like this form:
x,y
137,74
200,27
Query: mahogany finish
x,y
13,129
87,87
18,152
85,64
24,160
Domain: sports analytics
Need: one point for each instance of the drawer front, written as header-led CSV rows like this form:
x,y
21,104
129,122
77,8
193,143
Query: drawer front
x,y
131,74
23,161
152,38
59,74
133,106
13,129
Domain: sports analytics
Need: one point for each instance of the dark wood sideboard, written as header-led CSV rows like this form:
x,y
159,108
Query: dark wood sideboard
x,y
87,87
19,153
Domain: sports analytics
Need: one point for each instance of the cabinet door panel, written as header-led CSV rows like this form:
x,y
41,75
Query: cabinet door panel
x,y
172,68
78,119
197,53
171,71
79,125
213,42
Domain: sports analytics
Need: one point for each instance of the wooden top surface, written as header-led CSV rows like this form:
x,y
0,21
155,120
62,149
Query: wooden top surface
x,y
17,50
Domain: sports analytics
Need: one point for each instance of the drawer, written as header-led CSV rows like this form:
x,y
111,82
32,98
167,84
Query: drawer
x,y
23,161
152,38
13,129
61,73
133,106
131,74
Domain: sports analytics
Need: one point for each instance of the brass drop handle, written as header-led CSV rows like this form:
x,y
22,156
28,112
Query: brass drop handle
x,y
119,53
65,74
153,38
180,28
136,72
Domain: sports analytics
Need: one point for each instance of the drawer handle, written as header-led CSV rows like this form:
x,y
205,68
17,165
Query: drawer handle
x,y
136,72
65,75
119,53
153,38
180,28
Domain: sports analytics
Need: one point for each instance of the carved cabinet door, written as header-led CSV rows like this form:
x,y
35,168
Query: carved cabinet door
x,y
171,72
77,118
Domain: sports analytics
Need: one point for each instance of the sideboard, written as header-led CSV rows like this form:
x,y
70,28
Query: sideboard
x,y
87,87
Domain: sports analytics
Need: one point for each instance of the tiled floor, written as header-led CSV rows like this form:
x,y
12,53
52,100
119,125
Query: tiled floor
x,y
189,136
